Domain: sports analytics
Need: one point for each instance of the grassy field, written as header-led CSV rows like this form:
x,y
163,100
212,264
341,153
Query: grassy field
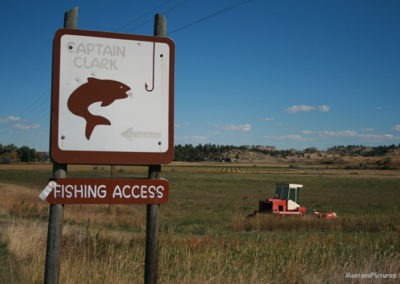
x,y
205,236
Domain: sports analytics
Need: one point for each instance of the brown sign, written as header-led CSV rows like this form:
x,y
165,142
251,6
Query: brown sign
x,y
106,191
112,98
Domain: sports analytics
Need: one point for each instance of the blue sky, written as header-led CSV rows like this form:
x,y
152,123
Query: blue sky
x,y
290,74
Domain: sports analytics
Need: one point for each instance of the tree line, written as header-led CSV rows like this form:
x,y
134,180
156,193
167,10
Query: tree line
x,y
206,152
11,154
211,152
227,153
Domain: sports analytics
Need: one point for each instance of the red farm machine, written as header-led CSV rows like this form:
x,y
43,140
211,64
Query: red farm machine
x,y
285,203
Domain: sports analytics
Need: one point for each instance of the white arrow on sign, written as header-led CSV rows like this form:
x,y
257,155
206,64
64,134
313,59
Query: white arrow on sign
x,y
129,134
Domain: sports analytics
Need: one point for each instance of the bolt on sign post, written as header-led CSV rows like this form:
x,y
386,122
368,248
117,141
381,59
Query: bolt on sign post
x,y
112,104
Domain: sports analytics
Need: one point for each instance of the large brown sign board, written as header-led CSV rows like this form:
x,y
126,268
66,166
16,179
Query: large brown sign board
x,y
112,98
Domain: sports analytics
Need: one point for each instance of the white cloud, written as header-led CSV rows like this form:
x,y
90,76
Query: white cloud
x,y
324,108
368,129
269,119
377,137
192,139
200,139
396,127
294,137
306,132
177,125
343,133
295,108
241,127
9,118
307,108
369,137
26,126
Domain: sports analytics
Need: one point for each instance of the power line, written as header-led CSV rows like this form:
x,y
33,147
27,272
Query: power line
x,y
174,7
202,19
163,12
37,108
143,15
37,102
216,13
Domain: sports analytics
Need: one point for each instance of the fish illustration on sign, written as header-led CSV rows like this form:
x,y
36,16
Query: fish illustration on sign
x,y
95,90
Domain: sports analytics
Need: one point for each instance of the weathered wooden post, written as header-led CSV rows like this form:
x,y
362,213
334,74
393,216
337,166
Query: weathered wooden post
x,y
54,231
152,226
152,223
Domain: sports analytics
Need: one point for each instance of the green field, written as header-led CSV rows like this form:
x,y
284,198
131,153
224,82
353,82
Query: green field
x,y
205,236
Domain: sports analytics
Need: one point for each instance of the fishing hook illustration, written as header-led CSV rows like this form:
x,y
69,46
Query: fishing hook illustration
x,y
146,86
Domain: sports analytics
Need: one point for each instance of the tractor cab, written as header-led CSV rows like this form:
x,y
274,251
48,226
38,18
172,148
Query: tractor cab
x,y
286,191
285,201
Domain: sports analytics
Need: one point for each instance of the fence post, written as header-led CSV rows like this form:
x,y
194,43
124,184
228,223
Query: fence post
x,y
56,214
152,210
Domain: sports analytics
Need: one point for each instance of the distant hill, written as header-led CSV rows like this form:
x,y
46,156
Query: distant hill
x,y
351,156
381,157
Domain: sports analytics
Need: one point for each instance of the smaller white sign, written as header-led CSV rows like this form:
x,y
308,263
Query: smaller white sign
x,y
47,190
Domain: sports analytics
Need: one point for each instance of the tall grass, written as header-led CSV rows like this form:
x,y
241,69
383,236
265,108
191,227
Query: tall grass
x,y
367,223
205,236
100,256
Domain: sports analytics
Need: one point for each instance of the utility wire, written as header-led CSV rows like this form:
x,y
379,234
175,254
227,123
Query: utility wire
x,y
216,13
37,102
174,7
37,108
163,12
143,15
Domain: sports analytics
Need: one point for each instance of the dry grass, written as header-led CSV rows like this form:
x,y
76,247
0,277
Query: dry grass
x,y
102,256
26,240
205,236
367,223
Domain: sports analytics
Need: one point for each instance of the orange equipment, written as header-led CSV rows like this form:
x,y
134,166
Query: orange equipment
x,y
285,203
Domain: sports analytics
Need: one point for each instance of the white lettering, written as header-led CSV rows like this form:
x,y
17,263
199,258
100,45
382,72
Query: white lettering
x,y
151,190
102,191
91,191
126,187
160,191
57,191
76,191
133,191
81,48
100,63
96,49
117,192
371,275
138,191
80,191
143,192
68,192
96,55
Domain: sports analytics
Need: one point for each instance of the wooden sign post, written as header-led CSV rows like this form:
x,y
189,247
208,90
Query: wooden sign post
x,y
54,231
99,70
152,222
